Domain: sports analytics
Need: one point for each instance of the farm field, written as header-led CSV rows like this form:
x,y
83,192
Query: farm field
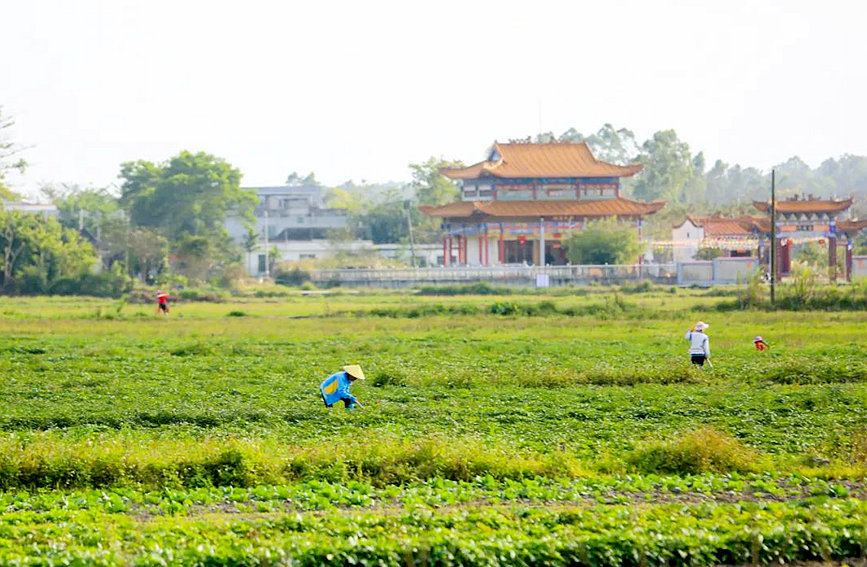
x,y
540,428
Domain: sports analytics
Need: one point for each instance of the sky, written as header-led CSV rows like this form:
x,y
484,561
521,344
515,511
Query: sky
x,y
359,90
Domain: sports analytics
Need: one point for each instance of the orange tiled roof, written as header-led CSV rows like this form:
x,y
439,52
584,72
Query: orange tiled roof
x,y
536,209
806,206
724,226
851,225
543,160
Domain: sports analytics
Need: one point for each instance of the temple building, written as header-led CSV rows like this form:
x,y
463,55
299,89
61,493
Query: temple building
x,y
519,204
799,221
802,220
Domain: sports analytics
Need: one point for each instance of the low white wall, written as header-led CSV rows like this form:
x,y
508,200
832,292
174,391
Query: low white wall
x,y
732,270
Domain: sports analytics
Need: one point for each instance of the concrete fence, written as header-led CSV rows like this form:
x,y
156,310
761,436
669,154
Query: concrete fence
x,y
540,276
720,271
717,271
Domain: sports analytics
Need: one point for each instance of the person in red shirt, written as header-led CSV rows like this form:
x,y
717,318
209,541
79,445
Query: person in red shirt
x,y
162,302
760,343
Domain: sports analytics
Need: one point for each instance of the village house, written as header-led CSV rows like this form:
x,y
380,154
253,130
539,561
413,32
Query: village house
x,y
294,221
519,204
734,237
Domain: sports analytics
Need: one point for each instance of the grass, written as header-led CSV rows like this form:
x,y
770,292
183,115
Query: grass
x,y
561,417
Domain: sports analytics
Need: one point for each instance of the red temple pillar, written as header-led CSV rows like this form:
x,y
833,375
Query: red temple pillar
x,y
487,248
450,250
832,258
848,260
445,249
459,247
501,248
481,252
778,261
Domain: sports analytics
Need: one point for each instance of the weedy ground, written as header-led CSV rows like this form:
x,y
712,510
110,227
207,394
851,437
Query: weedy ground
x,y
528,428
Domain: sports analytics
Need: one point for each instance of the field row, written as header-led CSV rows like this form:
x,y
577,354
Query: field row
x,y
664,534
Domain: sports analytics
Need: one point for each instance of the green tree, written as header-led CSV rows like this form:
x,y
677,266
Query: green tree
x,y
190,194
604,242
187,200
146,253
668,168
37,252
88,208
10,158
431,187
296,180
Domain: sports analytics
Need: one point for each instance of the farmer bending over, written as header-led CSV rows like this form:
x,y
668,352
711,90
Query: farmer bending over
x,y
336,387
699,343
162,302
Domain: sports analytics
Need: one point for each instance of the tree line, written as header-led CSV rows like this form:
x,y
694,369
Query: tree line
x,y
167,222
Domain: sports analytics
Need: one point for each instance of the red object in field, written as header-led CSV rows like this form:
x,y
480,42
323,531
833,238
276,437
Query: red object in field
x,y
760,343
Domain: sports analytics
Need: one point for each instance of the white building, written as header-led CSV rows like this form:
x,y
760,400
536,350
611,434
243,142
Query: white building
x,y
295,221
45,210
737,237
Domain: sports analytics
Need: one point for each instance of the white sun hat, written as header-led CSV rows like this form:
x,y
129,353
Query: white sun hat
x,y
701,326
354,370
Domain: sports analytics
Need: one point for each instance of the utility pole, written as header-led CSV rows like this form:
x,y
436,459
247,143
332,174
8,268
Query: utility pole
x,y
265,233
773,234
411,243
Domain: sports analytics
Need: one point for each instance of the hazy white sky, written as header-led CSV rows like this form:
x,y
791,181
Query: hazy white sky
x,y
358,90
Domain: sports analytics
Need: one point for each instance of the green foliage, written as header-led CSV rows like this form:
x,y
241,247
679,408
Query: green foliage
x,y
432,187
478,288
707,253
604,242
190,194
294,276
36,253
705,450
522,437
668,168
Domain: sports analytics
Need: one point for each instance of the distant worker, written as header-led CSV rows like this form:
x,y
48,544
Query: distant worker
x,y
760,343
162,302
699,343
335,388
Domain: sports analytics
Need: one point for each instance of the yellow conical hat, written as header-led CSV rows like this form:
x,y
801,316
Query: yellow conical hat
x,y
355,371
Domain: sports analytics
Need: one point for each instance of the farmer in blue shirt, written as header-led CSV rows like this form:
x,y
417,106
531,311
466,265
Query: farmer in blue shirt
x,y
336,387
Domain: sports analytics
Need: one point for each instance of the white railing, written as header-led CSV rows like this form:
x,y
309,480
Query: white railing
x,y
557,275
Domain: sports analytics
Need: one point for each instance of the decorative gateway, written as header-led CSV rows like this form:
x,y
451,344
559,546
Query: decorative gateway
x,y
519,203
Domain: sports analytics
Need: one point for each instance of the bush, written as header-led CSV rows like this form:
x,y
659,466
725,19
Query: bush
x,y
478,288
604,242
102,284
294,277
200,294
705,450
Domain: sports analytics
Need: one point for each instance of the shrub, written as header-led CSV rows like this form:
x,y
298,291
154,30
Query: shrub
x,y
294,277
604,242
102,284
200,294
478,288
705,450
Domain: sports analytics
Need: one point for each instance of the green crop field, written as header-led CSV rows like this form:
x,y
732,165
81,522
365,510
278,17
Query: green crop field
x,y
560,428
